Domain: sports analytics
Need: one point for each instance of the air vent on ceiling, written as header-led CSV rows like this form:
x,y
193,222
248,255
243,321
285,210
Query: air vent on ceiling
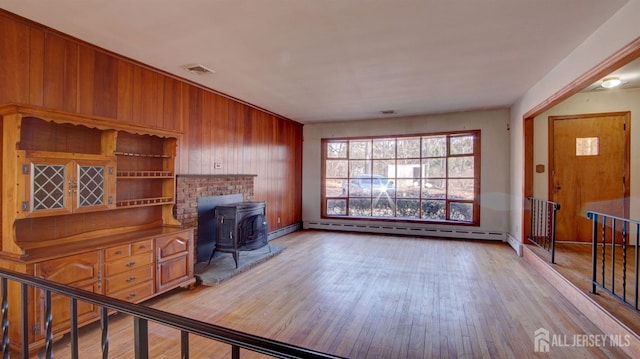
x,y
388,112
198,69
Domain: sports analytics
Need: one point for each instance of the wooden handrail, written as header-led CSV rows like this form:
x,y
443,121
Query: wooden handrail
x,y
142,315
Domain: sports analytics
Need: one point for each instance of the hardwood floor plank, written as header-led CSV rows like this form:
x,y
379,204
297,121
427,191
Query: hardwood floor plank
x,y
373,296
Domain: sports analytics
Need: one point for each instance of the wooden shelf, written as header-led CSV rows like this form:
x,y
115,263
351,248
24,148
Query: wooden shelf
x,y
145,155
143,174
140,202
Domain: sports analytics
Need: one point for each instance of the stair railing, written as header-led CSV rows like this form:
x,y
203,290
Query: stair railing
x,y
142,315
543,225
614,256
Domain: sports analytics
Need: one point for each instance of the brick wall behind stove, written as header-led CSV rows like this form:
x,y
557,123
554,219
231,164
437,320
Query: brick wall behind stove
x,y
190,188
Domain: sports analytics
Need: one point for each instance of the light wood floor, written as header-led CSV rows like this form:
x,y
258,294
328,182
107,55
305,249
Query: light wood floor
x,y
370,296
573,261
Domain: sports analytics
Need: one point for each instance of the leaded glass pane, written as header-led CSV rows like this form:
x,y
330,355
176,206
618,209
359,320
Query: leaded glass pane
x,y
90,186
48,187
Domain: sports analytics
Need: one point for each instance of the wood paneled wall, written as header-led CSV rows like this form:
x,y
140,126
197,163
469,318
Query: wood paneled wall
x,y
45,68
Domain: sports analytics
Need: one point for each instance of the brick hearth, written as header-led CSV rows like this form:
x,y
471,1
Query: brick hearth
x,y
191,187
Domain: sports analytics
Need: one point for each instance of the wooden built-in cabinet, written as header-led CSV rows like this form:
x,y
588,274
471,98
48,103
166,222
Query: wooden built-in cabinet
x,y
88,202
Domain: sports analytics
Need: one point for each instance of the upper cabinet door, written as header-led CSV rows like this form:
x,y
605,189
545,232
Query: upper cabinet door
x,y
57,186
48,186
93,185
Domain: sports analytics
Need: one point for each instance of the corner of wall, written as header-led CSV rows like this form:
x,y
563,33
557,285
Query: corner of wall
x,y
515,244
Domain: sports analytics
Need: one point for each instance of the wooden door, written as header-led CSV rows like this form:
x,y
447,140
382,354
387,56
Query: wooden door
x,y
589,170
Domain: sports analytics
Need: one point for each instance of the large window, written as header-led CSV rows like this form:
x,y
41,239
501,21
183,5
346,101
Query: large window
x,y
432,177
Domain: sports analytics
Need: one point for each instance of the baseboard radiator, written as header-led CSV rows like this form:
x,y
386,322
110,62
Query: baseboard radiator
x,y
408,229
285,230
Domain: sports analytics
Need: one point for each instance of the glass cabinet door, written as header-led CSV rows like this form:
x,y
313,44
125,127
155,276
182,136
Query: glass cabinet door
x,y
60,186
49,186
92,184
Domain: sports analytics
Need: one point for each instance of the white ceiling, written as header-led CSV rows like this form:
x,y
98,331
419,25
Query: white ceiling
x,y
324,60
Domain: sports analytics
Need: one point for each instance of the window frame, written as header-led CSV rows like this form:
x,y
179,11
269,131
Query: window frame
x,y
447,177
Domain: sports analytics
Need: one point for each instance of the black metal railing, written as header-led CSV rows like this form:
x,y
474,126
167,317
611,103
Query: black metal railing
x,y
142,315
543,225
614,256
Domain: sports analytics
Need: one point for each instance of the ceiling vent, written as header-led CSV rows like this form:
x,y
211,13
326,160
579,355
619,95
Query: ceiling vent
x,y
198,69
388,112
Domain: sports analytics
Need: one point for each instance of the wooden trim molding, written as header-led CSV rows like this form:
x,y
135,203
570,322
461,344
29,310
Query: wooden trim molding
x,y
101,123
618,59
626,54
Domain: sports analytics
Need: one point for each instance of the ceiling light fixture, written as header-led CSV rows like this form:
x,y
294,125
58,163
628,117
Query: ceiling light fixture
x,y
611,82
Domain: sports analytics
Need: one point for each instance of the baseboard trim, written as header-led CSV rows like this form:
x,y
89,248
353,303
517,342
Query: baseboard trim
x,y
515,244
284,231
408,229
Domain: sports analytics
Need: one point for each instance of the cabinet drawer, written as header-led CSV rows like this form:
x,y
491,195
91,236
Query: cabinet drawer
x,y
128,263
128,279
72,270
117,252
135,294
142,247
126,250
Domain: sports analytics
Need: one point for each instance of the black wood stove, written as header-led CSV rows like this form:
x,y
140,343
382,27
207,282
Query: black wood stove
x,y
240,226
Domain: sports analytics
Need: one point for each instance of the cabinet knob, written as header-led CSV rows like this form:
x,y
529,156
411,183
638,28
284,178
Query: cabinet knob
x,y
131,279
118,252
131,296
131,264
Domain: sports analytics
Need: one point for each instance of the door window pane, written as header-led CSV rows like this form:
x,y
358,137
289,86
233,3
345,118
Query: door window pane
x,y
587,146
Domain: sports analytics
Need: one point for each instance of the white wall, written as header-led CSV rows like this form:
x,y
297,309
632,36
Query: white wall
x,y
494,180
621,29
584,103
